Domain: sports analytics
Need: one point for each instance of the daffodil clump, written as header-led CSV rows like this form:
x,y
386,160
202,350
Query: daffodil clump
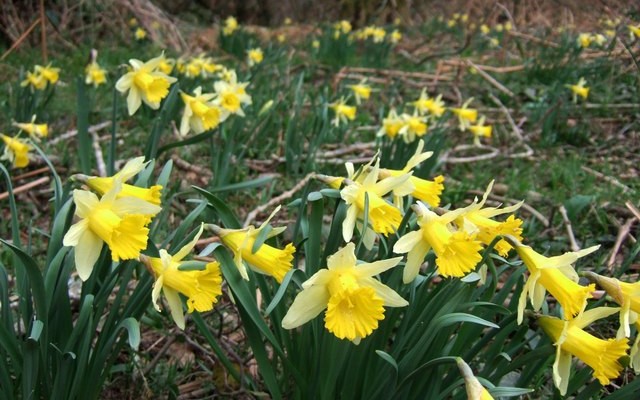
x,y
41,77
16,151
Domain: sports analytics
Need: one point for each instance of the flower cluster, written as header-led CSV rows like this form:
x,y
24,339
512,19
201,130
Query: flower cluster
x,y
41,77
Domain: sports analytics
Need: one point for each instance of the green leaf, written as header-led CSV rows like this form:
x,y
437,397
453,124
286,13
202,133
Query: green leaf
x,y
133,330
224,212
388,358
192,266
85,148
260,238
161,122
281,291
244,185
192,140
454,318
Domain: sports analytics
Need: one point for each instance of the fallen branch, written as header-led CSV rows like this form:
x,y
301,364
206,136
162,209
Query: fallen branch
x,y
609,179
278,199
25,187
567,224
490,79
74,132
623,232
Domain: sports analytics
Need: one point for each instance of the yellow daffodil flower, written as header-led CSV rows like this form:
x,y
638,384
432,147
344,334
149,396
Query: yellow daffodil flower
x,y
478,220
230,26
144,84
255,56
553,274
200,112
266,259
34,81
361,91
118,222
353,298
166,64
343,26
457,252
584,40
200,287
579,89
466,116
484,28
102,185
35,131
133,22
475,390
480,130
232,95
421,189
415,126
383,217
378,35
391,125
599,39
343,112
16,151
287,21
395,36
634,31
281,38
570,339
94,74
140,34
315,44
49,73
432,106
627,295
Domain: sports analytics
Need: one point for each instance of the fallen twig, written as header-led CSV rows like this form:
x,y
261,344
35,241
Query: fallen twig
x,y
74,132
609,179
490,79
25,187
278,199
623,232
567,224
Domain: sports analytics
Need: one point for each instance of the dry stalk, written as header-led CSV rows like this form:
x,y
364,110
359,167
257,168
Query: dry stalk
x,y
567,224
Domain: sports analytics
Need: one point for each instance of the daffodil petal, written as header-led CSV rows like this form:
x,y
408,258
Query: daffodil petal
x,y
175,306
306,306
87,252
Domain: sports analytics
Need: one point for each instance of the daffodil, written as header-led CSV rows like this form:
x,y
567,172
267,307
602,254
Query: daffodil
x,y
425,104
230,26
579,89
102,185
627,295
570,339
34,81
200,112
140,34
584,40
361,91
281,38
395,36
475,390
343,26
118,222
378,35
457,252
36,131
553,274
599,39
466,115
255,56
200,287
478,220
287,21
94,74
484,28
353,298
634,31
315,44
343,112
415,126
421,189
16,151
480,130
391,125
166,64
144,84
265,259
232,95
383,217
49,73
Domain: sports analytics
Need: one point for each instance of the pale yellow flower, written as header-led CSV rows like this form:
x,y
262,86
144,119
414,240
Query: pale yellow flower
x,y
144,84
201,287
570,339
200,112
232,95
255,56
353,298
118,222
343,112
16,151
